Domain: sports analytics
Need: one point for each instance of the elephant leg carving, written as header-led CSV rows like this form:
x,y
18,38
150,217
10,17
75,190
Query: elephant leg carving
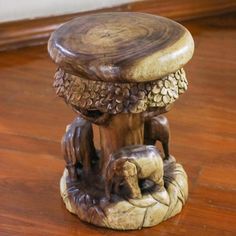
x,y
157,128
165,146
86,149
69,154
78,147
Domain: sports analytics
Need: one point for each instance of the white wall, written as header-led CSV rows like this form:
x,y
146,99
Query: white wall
x,y
11,10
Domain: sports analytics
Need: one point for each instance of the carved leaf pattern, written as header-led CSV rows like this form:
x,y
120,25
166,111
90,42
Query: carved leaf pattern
x,y
115,98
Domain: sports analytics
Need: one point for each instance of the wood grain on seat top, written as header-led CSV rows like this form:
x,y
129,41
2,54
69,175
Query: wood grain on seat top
x,y
121,46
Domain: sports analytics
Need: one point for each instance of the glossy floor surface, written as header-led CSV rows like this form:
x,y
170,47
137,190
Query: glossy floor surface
x,y
32,121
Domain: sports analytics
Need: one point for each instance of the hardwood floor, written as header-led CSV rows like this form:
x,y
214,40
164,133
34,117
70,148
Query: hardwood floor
x,y
203,127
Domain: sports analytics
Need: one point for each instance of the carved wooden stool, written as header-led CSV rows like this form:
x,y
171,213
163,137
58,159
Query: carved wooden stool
x,y
120,71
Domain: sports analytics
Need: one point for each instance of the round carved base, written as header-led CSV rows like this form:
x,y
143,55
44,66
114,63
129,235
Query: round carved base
x,y
155,206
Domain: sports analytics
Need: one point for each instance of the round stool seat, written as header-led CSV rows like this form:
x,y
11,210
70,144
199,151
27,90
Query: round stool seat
x,y
121,47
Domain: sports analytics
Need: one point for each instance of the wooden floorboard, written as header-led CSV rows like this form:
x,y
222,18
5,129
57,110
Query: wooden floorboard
x,y
32,121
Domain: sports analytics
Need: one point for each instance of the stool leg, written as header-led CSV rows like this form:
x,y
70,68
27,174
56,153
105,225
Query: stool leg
x,y
69,154
157,129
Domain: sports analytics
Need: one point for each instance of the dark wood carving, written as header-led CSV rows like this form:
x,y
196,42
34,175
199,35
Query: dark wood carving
x,y
121,71
129,165
157,129
78,148
113,98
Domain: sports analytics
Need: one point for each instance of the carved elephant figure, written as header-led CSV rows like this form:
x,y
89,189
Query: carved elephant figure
x,y
130,164
78,147
157,128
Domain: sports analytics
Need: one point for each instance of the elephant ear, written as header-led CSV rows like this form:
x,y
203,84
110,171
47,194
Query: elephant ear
x,y
118,167
129,169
